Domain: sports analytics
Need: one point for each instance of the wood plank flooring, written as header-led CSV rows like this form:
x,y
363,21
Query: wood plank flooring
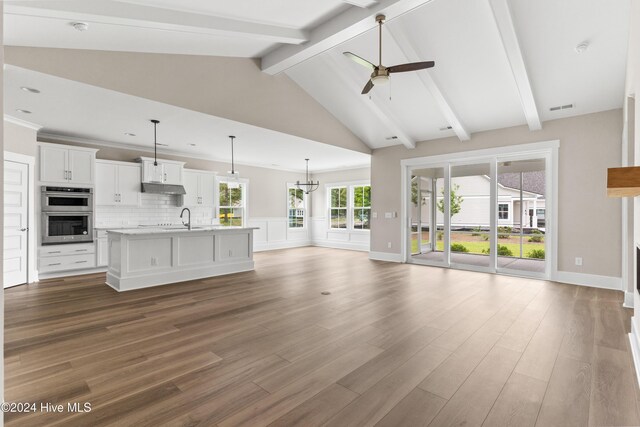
x,y
392,345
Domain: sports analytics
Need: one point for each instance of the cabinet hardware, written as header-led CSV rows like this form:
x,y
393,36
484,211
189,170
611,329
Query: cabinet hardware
x,y
81,250
165,177
80,262
23,229
53,252
55,263
70,176
66,174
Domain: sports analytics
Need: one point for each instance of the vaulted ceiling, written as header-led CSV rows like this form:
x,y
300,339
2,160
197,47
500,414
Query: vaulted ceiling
x,y
499,63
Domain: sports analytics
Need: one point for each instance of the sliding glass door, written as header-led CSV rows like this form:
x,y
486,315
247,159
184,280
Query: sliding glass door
x,y
426,240
488,214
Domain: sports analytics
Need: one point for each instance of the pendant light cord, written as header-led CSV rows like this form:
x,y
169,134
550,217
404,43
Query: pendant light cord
x,y
233,169
155,142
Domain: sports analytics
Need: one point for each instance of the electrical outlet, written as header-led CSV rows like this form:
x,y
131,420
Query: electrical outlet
x,y
579,261
154,261
389,245
375,215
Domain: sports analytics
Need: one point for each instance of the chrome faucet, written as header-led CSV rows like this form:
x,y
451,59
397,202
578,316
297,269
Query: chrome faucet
x,y
188,224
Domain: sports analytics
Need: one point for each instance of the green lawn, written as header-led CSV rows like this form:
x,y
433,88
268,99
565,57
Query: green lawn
x,y
476,247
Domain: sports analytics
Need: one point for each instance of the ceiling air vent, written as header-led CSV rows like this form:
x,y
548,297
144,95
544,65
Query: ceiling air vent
x,y
391,138
561,107
446,128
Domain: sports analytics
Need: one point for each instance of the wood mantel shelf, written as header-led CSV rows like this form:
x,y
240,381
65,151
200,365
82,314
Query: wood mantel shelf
x,y
623,182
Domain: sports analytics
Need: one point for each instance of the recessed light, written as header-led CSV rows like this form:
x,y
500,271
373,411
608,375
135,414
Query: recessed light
x,y
29,89
130,134
192,145
446,128
391,138
19,110
80,26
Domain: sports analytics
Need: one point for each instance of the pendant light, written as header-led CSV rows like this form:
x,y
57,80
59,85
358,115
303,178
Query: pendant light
x,y
308,186
233,175
155,142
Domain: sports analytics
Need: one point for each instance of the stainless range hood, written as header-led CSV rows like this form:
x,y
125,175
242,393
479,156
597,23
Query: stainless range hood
x,y
159,188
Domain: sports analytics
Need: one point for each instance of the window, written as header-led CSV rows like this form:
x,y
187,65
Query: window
x,y
296,207
349,206
231,203
338,207
361,207
503,210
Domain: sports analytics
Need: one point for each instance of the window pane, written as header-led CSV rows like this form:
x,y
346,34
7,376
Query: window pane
x,y
358,197
335,197
296,198
343,197
235,196
224,194
367,196
296,218
361,219
338,218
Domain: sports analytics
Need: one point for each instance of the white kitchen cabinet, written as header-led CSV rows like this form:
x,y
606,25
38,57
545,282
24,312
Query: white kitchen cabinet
x,y
66,164
165,172
77,256
102,250
199,186
117,183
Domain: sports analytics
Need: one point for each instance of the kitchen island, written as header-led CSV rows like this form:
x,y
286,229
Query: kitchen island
x,y
140,258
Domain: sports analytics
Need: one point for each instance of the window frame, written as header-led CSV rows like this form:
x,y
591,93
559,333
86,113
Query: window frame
x,y
245,200
305,202
350,186
508,205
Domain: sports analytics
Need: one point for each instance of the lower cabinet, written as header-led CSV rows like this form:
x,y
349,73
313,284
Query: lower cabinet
x,y
102,252
73,256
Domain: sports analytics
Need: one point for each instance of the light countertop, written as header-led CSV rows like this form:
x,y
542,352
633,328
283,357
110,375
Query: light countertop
x,y
169,230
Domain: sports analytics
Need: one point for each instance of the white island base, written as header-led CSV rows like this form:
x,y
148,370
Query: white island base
x,y
140,258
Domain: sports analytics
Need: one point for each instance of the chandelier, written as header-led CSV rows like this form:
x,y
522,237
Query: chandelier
x,y
308,186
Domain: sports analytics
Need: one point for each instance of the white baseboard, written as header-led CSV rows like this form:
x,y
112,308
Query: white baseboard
x,y
635,348
385,256
592,280
352,246
285,244
628,300
72,273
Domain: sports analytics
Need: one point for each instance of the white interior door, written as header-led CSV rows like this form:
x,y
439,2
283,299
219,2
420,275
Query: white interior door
x,y
16,220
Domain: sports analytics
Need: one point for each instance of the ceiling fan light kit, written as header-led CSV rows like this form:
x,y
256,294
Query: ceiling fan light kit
x,y
380,73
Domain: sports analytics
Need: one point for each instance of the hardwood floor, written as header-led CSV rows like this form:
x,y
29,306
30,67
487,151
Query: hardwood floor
x,y
392,345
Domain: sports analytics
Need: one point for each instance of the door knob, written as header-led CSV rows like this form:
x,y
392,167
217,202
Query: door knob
x,y
23,229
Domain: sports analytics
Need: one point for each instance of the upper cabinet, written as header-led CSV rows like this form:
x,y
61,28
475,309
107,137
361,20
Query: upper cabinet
x,y
66,164
200,186
117,183
165,172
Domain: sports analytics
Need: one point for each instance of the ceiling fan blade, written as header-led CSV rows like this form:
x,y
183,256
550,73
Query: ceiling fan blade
x,y
413,66
367,87
359,60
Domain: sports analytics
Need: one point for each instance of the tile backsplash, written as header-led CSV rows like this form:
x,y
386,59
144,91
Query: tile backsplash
x,y
153,209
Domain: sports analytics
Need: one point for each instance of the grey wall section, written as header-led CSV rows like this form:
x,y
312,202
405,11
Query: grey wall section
x,y
20,139
233,88
589,222
319,202
267,187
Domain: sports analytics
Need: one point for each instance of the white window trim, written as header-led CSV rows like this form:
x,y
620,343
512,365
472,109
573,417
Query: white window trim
x,y
305,199
245,199
509,208
350,208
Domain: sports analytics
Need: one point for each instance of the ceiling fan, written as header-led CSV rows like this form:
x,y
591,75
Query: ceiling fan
x,y
380,73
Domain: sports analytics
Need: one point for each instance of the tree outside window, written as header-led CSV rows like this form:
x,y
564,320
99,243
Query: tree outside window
x,y
231,204
296,207
338,207
361,207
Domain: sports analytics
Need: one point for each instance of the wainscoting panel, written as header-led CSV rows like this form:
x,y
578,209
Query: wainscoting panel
x,y
321,235
273,233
